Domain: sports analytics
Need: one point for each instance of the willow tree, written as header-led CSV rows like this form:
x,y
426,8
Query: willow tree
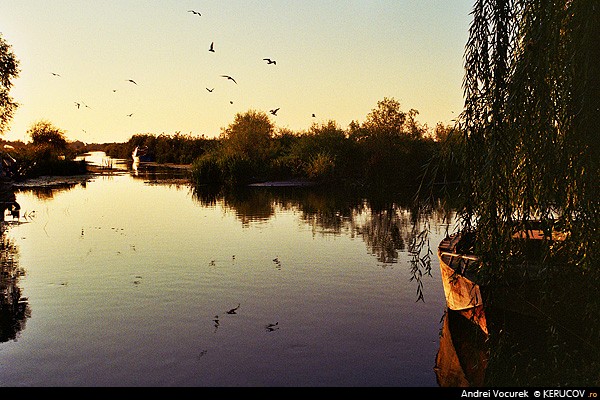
x,y
527,150
530,127
9,70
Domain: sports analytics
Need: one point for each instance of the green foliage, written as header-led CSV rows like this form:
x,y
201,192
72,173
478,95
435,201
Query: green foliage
x,y
48,153
324,152
30,162
217,168
206,170
444,168
249,136
53,167
388,120
526,150
174,149
390,149
530,126
321,166
9,70
285,162
392,146
48,138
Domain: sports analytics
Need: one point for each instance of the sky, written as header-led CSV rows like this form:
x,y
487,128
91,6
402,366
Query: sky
x,y
334,59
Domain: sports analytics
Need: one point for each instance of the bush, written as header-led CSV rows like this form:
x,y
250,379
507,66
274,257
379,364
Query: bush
x,y
229,169
321,167
206,170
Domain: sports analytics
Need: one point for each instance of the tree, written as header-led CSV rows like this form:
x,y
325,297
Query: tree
x,y
9,70
249,136
46,137
530,125
528,152
386,119
325,151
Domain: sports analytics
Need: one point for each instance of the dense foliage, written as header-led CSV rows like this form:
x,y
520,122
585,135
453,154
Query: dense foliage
x,y
526,148
530,126
9,70
388,149
48,153
163,148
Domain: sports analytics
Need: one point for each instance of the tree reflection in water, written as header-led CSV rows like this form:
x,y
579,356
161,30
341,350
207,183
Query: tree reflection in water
x,y
386,223
14,309
547,350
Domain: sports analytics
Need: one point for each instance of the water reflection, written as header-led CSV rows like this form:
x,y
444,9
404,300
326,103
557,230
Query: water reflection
x,y
48,192
310,314
155,174
14,308
520,350
386,233
463,355
386,226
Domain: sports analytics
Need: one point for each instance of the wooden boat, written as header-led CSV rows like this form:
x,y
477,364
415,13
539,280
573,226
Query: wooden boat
x,y
462,293
465,295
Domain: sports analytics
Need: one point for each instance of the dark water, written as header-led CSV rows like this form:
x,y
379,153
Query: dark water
x,y
137,279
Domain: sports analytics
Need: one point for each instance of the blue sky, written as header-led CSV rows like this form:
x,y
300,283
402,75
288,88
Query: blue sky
x,y
335,59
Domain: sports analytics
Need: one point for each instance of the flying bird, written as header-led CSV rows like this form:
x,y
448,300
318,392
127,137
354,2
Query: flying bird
x,y
212,47
313,115
269,61
274,112
195,12
230,78
129,115
210,90
132,81
55,74
78,104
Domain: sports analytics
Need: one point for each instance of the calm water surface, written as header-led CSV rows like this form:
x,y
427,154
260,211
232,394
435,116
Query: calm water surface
x,y
133,281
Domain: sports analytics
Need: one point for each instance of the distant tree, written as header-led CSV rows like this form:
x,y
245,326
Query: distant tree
x,y
249,136
388,121
9,70
389,145
325,151
48,153
327,136
47,138
387,118
442,132
413,128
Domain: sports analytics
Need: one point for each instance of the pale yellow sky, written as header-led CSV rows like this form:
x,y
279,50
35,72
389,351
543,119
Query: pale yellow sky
x,y
334,59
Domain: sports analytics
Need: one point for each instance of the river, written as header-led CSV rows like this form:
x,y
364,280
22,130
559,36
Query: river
x,y
135,278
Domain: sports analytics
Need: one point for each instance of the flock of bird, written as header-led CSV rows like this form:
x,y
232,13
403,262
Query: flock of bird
x,y
269,61
211,49
80,103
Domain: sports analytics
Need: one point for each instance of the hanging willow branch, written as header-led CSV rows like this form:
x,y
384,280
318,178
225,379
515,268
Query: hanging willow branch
x,y
530,126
